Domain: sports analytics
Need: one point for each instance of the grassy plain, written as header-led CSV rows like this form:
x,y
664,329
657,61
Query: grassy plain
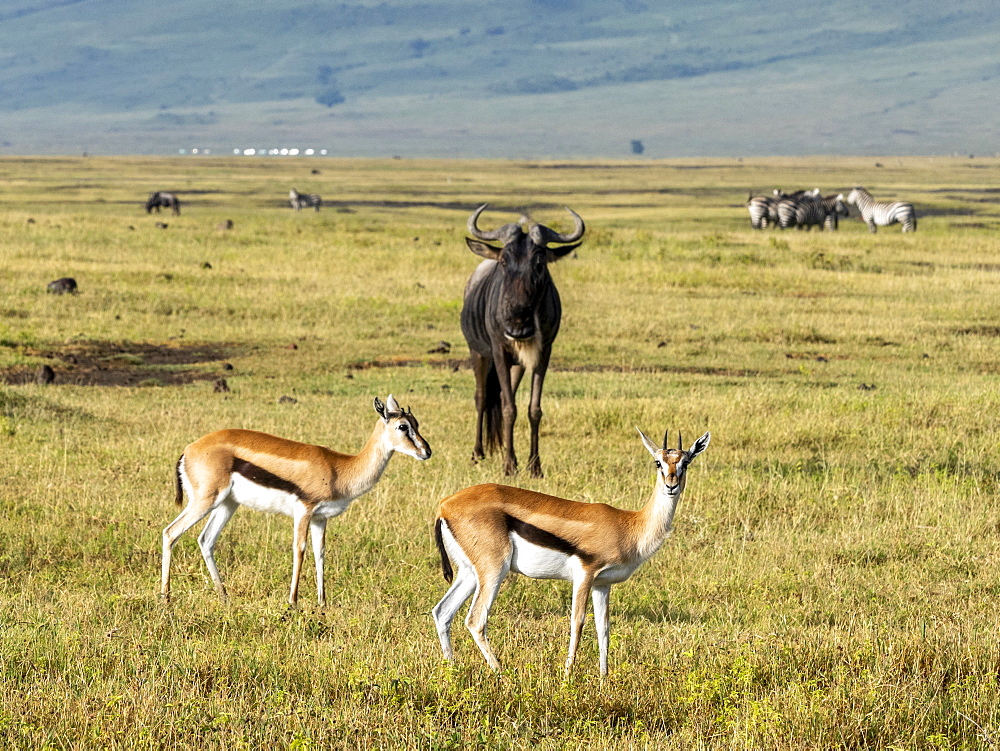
x,y
833,575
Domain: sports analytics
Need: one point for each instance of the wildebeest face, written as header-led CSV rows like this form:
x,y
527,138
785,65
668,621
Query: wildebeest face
x,y
524,268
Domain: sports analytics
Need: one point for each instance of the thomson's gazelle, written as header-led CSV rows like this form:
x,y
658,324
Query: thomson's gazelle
x,y
490,530
311,484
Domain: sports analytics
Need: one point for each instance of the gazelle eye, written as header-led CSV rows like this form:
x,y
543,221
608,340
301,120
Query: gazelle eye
x,y
657,463
403,426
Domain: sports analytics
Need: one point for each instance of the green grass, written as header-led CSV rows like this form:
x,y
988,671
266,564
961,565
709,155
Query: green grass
x,y
832,578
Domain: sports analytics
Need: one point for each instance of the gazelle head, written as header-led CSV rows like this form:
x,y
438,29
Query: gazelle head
x,y
401,430
672,464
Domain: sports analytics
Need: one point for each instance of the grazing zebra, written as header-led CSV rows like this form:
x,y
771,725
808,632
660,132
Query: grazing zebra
x,y
835,208
298,200
763,211
882,213
809,209
165,200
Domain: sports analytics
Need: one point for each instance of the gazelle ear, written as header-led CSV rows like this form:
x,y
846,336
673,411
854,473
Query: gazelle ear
x,y
700,445
651,447
380,408
392,405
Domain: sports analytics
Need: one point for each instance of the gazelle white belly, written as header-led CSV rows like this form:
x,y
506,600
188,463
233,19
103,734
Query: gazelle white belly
x,y
262,498
273,501
540,562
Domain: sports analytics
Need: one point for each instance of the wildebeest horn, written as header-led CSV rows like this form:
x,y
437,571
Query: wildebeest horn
x,y
504,234
542,235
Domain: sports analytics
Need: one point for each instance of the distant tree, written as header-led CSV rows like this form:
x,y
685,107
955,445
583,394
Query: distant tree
x,y
330,97
637,147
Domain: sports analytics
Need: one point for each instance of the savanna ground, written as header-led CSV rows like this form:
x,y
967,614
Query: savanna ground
x,y
832,578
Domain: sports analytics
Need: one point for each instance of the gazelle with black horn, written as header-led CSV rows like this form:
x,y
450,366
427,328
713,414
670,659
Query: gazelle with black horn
x,y
491,530
312,484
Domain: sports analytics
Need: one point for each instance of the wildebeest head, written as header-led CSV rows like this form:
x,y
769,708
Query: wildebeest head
x,y
523,262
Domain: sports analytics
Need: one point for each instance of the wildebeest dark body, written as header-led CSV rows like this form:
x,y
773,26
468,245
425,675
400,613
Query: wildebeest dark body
x,y
510,317
66,285
159,200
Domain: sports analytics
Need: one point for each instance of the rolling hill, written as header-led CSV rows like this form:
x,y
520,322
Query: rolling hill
x,y
519,78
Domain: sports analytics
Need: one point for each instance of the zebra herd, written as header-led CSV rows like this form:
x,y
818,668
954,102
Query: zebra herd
x,y
807,208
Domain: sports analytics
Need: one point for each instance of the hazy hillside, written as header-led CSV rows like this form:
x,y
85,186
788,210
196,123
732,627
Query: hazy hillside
x,y
515,78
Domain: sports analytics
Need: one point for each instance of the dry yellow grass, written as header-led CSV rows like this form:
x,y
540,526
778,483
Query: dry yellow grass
x,y
832,577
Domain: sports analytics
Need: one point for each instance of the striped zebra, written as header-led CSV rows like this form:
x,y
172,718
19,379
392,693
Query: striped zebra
x,y
810,210
298,200
791,207
763,211
835,207
882,213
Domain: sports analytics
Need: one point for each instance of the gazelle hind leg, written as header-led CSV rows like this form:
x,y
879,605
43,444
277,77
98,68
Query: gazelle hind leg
x,y
444,612
220,517
479,612
191,515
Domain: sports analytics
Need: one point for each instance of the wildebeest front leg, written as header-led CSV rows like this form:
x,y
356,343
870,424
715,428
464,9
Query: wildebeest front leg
x,y
481,369
535,414
504,363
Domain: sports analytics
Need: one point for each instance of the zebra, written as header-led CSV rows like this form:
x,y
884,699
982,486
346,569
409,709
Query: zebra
x,y
165,200
788,208
763,211
835,208
298,200
882,213
811,209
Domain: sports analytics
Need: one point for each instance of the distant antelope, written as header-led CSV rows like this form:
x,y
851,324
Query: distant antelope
x,y
312,484
490,530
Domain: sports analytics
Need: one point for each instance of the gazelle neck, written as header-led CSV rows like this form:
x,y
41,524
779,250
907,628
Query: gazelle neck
x,y
656,519
366,467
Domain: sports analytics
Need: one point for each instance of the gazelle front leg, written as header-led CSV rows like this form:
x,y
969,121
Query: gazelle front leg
x,y
581,592
300,531
317,532
599,596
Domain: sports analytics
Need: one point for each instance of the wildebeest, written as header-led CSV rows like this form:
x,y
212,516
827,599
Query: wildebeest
x,y
66,285
510,317
159,200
